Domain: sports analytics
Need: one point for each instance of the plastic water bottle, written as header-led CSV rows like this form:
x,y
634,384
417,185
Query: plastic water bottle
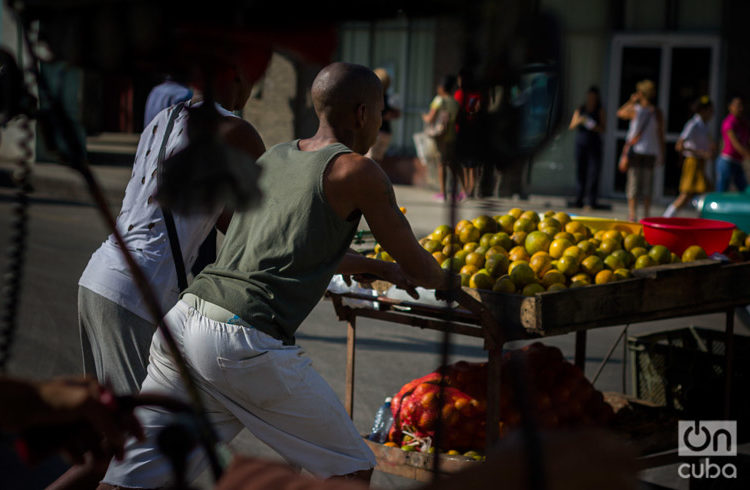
x,y
382,423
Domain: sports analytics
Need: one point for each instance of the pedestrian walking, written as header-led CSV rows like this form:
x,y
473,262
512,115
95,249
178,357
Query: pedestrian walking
x,y
166,94
696,147
441,125
735,134
644,146
390,113
469,130
589,123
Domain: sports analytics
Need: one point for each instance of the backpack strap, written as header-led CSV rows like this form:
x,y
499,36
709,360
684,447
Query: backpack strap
x,y
174,240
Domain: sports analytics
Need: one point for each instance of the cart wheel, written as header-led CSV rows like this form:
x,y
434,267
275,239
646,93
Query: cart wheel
x,y
743,313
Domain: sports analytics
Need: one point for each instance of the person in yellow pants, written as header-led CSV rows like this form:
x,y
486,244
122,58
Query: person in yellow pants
x,y
697,147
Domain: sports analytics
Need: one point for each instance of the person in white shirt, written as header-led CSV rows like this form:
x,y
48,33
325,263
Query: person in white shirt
x,y
646,140
115,325
697,147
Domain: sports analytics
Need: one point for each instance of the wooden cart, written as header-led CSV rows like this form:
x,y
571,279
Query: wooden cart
x,y
653,293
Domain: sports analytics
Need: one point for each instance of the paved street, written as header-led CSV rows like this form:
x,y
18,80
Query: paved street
x,y
63,234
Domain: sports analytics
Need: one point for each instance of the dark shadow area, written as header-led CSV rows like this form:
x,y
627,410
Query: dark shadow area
x,y
17,475
47,201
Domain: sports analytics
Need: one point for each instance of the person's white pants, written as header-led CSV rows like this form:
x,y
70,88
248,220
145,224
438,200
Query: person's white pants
x,y
246,379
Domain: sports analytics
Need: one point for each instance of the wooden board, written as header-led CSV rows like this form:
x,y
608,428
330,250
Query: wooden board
x,y
657,292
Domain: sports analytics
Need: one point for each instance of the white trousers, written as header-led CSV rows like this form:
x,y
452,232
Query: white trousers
x,y
246,379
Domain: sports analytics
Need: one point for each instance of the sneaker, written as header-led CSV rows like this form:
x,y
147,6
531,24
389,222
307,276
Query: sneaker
x,y
461,196
438,197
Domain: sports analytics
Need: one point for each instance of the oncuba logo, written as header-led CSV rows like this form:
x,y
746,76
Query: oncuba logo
x,y
715,438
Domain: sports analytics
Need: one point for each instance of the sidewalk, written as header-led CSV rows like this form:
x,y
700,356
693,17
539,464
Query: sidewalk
x,y
55,181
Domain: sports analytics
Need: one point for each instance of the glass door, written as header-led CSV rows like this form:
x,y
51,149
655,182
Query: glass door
x,y
683,69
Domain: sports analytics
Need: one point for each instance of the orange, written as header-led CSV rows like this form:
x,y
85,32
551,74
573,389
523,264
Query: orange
x,y
485,224
475,259
575,227
532,289
432,246
540,264
567,265
693,252
566,235
537,241
461,255
469,233
609,245
586,247
461,224
450,238
496,250
516,212
496,265
644,261
485,240
501,239
613,235
613,262
519,237
603,277
574,251
581,277
557,247
469,247
481,281
660,254
592,265
553,277
632,241
504,285
531,216
622,274
441,232
558,286
524,224
562,217
522,274
469,270
440,257
518,253
451,249
506,223
454,265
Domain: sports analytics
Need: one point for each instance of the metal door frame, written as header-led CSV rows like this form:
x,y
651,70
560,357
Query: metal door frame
x,y
666,42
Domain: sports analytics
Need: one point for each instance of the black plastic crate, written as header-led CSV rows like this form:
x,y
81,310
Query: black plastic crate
x,y
684,370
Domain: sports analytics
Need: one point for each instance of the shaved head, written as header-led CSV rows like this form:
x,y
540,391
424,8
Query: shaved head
x,y
348,100
340,88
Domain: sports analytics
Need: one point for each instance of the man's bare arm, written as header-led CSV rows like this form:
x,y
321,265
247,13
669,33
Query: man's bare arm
x,y
355,182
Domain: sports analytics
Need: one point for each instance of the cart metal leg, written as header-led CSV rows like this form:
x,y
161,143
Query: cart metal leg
x,y
493,395
728,372
350,358
580,359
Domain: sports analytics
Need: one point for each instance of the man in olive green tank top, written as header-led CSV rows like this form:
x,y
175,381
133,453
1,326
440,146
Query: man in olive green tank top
x,y
235,324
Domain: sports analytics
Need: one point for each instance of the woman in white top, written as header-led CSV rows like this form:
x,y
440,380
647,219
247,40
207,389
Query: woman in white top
x,y
646,140
697,147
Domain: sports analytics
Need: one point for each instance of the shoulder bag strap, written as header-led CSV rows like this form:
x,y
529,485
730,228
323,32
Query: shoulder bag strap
x,y
174,240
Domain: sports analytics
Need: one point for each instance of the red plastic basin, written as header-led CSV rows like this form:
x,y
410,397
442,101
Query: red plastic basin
x,y
677,234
